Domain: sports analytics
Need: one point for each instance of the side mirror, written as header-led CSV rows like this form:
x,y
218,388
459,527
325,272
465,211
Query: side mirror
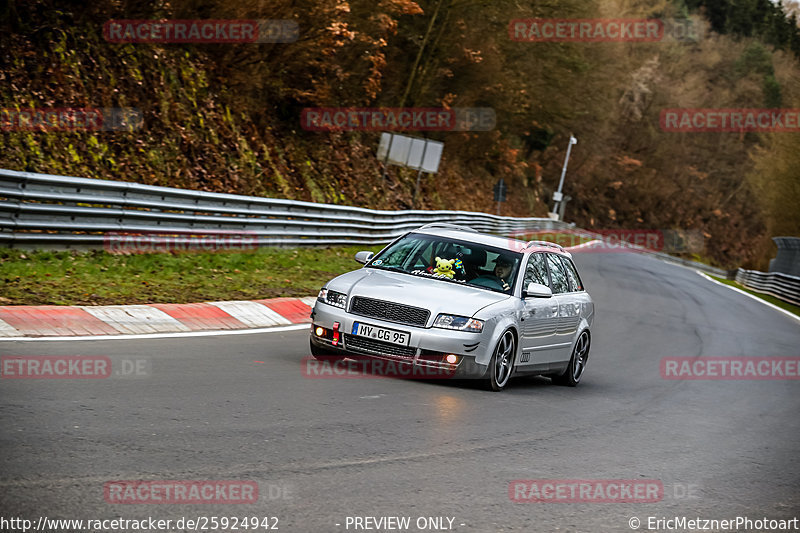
x,y
364,257
537,290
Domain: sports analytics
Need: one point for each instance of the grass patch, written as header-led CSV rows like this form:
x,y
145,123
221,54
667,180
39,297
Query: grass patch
x,y
100,278
766,297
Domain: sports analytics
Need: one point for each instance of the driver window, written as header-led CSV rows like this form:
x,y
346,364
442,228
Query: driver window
x,y
536,271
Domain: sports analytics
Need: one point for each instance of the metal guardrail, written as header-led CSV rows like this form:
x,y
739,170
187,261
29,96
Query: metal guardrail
x,y
788,259
779,285
45,211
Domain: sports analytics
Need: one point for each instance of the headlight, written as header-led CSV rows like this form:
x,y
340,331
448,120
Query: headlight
x,y
461,323
336,299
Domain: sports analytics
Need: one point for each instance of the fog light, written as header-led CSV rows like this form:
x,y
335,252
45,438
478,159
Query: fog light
x,y
319,331
451,358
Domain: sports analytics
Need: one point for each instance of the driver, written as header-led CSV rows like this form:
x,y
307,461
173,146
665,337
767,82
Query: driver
x,y
503,267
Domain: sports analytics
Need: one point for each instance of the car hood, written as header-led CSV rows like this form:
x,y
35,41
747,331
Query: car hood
x,y
437,295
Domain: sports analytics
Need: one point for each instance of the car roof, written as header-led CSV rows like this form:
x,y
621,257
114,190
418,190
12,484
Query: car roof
x,y
470,235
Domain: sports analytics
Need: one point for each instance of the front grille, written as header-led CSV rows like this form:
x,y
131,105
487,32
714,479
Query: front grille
x,y
390,311
365,345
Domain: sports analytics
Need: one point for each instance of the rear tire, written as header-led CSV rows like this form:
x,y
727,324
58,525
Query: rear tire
x,y
577,363
501,365
322,354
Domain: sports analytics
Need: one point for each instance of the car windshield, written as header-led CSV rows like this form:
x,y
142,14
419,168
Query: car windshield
x,y
451,260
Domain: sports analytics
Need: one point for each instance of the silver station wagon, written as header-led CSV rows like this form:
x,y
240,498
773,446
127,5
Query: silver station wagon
x,y
449,298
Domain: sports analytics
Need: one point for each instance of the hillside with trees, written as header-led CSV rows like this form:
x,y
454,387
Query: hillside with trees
x,y
226,117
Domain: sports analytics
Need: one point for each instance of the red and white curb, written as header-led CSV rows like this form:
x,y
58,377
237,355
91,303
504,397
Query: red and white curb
x,y
113,320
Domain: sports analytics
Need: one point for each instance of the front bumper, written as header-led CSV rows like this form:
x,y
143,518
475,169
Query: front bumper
x,y
426,349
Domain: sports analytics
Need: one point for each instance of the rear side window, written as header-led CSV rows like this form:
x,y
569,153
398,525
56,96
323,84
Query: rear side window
x,y
572,274
558,275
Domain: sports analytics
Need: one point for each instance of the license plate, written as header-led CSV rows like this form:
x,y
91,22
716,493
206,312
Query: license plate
x,y
381,334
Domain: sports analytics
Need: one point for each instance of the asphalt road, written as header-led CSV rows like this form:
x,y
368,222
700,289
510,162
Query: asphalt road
x,y
238,408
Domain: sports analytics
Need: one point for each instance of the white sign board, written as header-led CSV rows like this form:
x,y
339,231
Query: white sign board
x,y
400,148
416,153
433,155
411,152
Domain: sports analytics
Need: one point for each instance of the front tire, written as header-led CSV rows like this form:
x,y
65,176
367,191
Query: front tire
x,y
501,365
577,363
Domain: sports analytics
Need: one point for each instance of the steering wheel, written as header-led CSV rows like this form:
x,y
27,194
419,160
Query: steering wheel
x,y
490,282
